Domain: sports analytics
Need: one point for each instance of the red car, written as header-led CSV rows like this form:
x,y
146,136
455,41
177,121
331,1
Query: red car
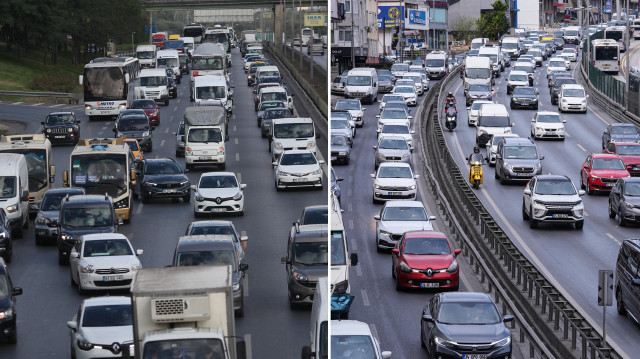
x,y
150,108
629,152
600,171
425,259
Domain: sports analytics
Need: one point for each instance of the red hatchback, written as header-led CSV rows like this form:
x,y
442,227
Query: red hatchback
x,y
629,153
150,108
600,171
424,259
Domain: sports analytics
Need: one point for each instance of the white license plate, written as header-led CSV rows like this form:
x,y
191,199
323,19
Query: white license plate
x,y
605,65
474,356
636,168
104,112
58,136
168,191
429,285
205,158
609,184
299,180
393,193
560,215
218,209
110,278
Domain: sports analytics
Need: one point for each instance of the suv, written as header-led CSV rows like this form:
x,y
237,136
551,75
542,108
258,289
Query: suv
x,y
62,127
624,201
572,98
8,305
517,78
620,132
627,289
137,127
552,198
306,260
517,159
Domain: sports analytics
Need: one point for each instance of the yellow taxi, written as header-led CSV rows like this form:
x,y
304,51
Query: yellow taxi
x,y
135,148
174,37
251,75
547,37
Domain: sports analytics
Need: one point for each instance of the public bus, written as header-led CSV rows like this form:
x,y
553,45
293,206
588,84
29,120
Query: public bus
x,y
108,85
104,165
619,34
605,55
306,36
218,35
194,30
36,149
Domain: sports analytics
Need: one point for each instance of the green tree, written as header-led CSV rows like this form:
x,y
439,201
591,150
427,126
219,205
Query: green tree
x,y
464,28
494,23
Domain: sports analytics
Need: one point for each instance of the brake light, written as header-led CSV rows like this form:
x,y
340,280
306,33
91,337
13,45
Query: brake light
x,y
594,62
195,73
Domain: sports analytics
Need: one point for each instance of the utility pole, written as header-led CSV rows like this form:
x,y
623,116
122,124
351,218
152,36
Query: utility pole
x,y
300,27
353,55
313,34
293,32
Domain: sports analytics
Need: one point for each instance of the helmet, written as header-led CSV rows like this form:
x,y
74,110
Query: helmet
x,y
476,149
450,93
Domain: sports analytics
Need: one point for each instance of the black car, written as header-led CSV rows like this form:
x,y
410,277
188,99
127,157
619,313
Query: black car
x,y
135,126
524,96
461,324
340,149
49,212
184,63
624,201
8,305
180,139
264,105
61,127
620,132
315,215
162,178
6,246
269,115
478,92
559,43
173,88
555,90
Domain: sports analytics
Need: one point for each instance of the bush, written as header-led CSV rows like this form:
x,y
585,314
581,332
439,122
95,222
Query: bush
x,y
53,83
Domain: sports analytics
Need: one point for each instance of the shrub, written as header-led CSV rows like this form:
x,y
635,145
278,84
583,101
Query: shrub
x,y
53,83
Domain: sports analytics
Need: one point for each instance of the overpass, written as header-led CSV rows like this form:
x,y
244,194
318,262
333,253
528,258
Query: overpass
x,y
225,4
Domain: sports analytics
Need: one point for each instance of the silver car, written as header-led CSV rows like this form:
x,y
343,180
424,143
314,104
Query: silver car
x,y
392,149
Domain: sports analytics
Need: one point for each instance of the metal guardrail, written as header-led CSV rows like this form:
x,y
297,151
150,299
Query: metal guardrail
x,y
545,319
75,97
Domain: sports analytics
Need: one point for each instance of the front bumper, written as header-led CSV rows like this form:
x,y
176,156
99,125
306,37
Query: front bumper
x,y
172,192
381,194
45,232
558,214
301,291
517,173
599,185
8,326
204,160
580,107
387,240
465,350
630,215
284,181
341,156
67,138
549,133
219,205
522,103
422,280
94,281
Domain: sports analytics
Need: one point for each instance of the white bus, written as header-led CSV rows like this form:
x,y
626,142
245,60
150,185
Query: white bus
x,y
306,36
109,85
635,28
617,33
218,35
605,55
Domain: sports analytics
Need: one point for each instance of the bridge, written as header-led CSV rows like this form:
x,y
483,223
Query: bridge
x,y
225,4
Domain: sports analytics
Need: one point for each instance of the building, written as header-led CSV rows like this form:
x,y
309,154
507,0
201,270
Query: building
x,y
350,18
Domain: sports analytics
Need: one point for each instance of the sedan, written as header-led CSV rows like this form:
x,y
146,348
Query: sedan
x,y
571,53
220,227
355,109
100,327
397,217
464,324
385,83
392,149
135,126
265,105
340,149
394,115
103,261
547,124
620,132
218,192
524,96
49,212
557,84
162,178
478,92
556,64
624,201
389,98
408,93
297,168
394,181
314,215
600,171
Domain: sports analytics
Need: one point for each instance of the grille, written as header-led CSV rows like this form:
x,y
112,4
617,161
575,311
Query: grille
x,y
394,188
168,185
523,169
59,130
169,306
115,283
308,284
393,158
609,180
112,271
473,348
222,199
357,94
152,93
396,237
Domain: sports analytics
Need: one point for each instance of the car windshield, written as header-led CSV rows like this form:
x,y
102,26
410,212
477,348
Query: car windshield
x,y
395,104
277,113
293,130
632,189
404,214
395,129
392,113
434,63
573,93
628,150
133,124
318,215
465,313
338,141
153,81
358,80
393,144
624,130
494,121
426,246
564,80
399,67
495,139
384,78
221,256
390,98
340,125
52,201
348,105
477,73
4,287
394,172
106,247
555,187
270,104
113,315
405,82
60,119
550,118
298,159
211,92
311,253
479,87
525,68
520,152
352,346
519,77
204,135
148,104
607,164
337,115
521,90
556,63
218,181
162,167
477,104
403,89
8,186
98,216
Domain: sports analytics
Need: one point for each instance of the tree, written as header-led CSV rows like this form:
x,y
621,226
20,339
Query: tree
x,y
494,23
464,28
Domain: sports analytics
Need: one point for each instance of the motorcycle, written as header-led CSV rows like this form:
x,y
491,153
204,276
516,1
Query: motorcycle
x,y
449,103
475,174
451,118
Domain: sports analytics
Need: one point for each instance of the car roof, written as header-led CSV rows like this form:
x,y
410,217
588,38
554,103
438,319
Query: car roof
x,y
102,236
604,155
62,113
394,164
551,177
518,72
72,190
349,327
87,198
106,300
548,113
214,222
465,297
296,151
311,232
399,203
622,125
424,233
392,137
573,86
207,174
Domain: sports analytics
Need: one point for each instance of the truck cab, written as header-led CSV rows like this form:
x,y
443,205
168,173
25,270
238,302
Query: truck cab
x,y
205,135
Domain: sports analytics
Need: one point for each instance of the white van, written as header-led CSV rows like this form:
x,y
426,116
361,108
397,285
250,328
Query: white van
x,y
275,93
267,71
292,134
512,46
146,55
319,329
435,64
14,197
171,59
341,259
479,42
492,53
362,83
154,85
189,45
477,70
212,89
493,118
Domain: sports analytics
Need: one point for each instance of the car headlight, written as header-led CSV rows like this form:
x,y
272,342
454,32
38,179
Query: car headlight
x,y
278,146
42,220
383,232
299,277
146,134
539,129
151,184
482,132
238,196
564,100
453,267
539,204
70,129
380,156
12,208
508,166
412,187
538,165
66,237
198,197
84,344
376,186
341,287
236,287
311,145
405,156
184,183
404,267
628,205
503,342
317,172
7,314
122,106
342,153
282,173
444,343
86,269
136,267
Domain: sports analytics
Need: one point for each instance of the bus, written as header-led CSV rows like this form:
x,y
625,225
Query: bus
x,y
104,165
218,35
108,85
635,29
605,55
619,34
194,30
306,36
633,91
36,149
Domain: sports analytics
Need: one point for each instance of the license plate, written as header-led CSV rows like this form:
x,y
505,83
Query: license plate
x,y
393,193
218,209
58,136
636,168
605,65
299,180
104,112
430,285
609,184
474,356
168,191
560,215
110,278
205,158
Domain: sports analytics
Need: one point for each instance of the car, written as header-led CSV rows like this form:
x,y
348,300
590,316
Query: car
x,y
394,180
184,63
524,96
397,128
477,92
555,74
385,83
600,171
392,149
355,109
624,201
162,178
629,152
553,199
572,98
342,127
6,243
472,111
528,58
354,339
570,52
557,84
314,215
408,93
135,149
338,85
265,105
296,42
49,212
135,126
150,108
516,78
517,159
103,261
526,67
180,146
507,58
343,114
61,127
269,115
398,104
547,124
218,226
298,168
462,324
394,115
385,72
335,184
8,295
417,81
100,327
397,217
556,64
340,149
537,56
218,193
620,132
559,42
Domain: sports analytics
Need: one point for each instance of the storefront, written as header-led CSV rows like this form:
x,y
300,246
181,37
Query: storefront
x,y
341,57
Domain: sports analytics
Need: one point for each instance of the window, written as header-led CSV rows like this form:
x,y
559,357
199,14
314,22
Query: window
x,y
347,6
344,35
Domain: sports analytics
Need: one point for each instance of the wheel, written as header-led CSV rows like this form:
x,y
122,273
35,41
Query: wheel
x,y
39,240
13,337
346,161
612,214
476,185
622,309
240,312
580,224
589,188
535,108
533,224
511,106
621,221
80,290
62,260
18,231
582,186
398,286
393,271
26,223
422,340
166,102
495,173
150,147
187,198
525,216
223,166
503,180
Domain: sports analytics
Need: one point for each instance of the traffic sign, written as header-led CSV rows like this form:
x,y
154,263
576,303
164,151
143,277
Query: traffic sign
x,y
605,287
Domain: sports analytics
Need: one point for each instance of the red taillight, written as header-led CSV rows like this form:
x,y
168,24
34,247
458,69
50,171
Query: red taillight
x,y
195,73
594,62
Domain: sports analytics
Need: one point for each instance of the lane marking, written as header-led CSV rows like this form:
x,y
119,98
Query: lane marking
x,y
235,128
358,270
103,128
613,238
36,104
139,209
247,342
351,224
162,143
585,213
365,298
175,108
354,245
582,148
60,104
166,130
18,103
238,156
349,207
235,140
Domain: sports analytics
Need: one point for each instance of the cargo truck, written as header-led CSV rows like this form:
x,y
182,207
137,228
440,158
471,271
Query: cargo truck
x,y
205,130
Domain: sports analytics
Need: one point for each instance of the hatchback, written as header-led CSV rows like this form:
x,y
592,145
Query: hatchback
x,y
218,192
397,217
298,168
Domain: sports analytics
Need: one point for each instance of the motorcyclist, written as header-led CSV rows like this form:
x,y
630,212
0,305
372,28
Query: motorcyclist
x,y
476,156
450,100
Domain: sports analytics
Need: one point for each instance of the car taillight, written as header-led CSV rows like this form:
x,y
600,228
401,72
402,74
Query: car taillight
x,y
195,73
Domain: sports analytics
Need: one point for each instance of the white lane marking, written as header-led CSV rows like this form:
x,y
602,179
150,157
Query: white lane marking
x,y
57,105
354,245
349,192
162,143
582,148
238,156
365,298
235,128
240,180
349,207
178,100
374,331
171,118
37,104
104,128
585,213
139,209
613,238
567,134
245,285
175,108
235,140
100,133
351,224
18,103
247,342
166,130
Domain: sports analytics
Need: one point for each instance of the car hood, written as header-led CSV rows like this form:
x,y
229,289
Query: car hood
x,y
479,93
404,226
50,214
397,182
610,173
424,261
111,261
149,111
630,159
635,200
335,148
557,198
108,335
313,272
550,125
521,162
487,333
524,96
355,113
341,131
299,169
77,232
218,192
518,83
392,152
165,178
134,134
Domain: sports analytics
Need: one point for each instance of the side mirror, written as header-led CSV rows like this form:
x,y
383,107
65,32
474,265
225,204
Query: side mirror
x,y
42,123
353,259
581,192
72,324
410,117
564,121
432,218
243,186
373,175
527,191
541,157
139,252
508,318
395,251
533,120
186,170
375,147
194,187
24,196
274,163
457,252
283,259
376,217
16,291
416,176
427,318
55,222
585,166
321,162
243,267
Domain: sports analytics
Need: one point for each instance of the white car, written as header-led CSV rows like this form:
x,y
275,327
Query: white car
x,y
105,323
353,339
547,124
393,114
556,64
397,217
408,93
397,128
570,53
492,146
218,192
567,60
572,98
389,98
103,261
417,80
297,168
355,110
472,111
552,198
394,180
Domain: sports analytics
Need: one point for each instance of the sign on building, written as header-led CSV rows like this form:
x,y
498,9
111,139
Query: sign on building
x,y
311,20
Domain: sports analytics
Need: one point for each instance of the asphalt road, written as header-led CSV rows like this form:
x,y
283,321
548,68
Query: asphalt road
x,y
49,301
317,58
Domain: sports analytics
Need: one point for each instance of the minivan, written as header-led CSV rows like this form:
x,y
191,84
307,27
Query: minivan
x,y
14,198
292,134
492,119
155,85
627,280
362,83
517,159
341,259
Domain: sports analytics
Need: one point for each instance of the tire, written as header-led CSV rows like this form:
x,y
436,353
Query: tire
x,y
533,224
621,221
18,232
582,186
240,312
525,216
620,306
80,290
223,166
612,214
144,198
13,338
476,185
421,340
62,260
26,223
393,270
187,198
166,102
39,240
580,224
150,147
398,286
503,180
589,189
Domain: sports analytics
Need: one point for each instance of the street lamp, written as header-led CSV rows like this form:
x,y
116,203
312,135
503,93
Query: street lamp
x,y
133,46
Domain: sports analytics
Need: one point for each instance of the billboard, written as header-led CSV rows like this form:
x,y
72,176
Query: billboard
x,y
390,15
311,20
417,17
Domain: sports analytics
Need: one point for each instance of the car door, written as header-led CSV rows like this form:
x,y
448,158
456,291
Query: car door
x,y
429,327
586,169
394,258
533,123
632,296
606,136
526,198
74,260
614,197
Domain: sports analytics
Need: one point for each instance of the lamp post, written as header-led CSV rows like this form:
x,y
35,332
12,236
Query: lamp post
x,y
133,46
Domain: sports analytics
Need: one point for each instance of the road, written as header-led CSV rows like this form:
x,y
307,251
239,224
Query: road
x,y
317,58
49,301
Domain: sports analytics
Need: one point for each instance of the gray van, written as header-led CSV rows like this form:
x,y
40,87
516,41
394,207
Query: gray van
x,y
627,280
517,159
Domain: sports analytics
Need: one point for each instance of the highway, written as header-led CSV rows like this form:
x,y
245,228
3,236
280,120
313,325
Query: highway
x,y
317,58
49,300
